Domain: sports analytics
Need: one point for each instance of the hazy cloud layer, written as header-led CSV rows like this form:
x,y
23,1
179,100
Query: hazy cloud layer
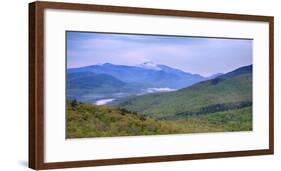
x,y
203,56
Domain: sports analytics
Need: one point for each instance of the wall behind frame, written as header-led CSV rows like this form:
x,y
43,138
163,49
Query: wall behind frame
x,y
14,85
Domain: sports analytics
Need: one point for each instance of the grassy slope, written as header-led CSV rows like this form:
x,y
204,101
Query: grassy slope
x,y
192,98
86,120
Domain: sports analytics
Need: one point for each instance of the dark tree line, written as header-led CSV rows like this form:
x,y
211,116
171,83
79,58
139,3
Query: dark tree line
x,y
217,108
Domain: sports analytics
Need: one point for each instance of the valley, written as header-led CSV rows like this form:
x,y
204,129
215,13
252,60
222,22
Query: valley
x,y
108,81
149,99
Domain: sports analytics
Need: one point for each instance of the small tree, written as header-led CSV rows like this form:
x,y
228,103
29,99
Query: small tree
x,y
74,103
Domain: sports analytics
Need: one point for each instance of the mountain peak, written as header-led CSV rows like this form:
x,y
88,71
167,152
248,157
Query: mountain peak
x,y
107,64
150,65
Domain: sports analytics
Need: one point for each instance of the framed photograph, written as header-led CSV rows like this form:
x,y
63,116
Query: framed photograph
x,y
120,85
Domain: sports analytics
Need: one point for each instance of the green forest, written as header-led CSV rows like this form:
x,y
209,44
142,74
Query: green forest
x,y
87,120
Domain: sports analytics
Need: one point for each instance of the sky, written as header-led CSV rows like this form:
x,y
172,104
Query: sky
x,y
204,56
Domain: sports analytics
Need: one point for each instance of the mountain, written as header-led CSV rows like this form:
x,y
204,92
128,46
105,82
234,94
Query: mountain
x,y
89,79
232,90
89,87
147,74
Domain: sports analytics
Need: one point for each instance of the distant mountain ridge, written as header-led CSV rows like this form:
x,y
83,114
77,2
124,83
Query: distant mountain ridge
x,y
109,81
106,81
88,86
149,73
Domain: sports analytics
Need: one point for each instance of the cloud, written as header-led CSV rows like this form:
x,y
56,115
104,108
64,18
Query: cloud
x,y
197,55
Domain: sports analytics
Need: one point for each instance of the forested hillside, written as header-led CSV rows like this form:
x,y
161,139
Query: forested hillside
x,y
226,92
